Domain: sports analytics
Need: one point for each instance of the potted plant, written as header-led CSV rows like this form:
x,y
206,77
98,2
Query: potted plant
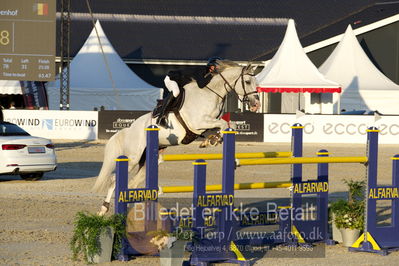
x,y
96,237
172,245
348,215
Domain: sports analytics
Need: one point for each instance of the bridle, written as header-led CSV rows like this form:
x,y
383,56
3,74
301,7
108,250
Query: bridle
x,y
228,86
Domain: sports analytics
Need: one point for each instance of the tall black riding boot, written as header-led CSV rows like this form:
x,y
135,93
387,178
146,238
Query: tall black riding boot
x,y
162,118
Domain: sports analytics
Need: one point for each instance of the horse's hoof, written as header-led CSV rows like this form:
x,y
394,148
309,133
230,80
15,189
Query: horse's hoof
x,y
215,140
203,144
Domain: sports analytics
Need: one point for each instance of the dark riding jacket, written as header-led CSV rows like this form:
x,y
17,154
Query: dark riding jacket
x,y
183,77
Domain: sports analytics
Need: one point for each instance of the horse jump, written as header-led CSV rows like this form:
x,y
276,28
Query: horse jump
x,y
372,240
228,177
376,238
219,156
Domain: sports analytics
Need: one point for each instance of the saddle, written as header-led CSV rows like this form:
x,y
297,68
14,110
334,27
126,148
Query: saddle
x,y
175,107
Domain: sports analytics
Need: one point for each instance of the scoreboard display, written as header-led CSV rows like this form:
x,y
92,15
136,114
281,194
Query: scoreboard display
x,y
27,40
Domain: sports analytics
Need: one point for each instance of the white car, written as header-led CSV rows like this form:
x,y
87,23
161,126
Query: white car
x,y
24,155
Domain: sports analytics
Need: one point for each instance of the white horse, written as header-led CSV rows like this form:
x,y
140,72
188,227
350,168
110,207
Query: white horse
x,y
200,111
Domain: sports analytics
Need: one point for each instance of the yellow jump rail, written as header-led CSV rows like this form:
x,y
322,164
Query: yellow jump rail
x,y
240,186
219,156
302,160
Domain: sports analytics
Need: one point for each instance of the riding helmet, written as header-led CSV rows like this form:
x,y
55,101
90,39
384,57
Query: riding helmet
x,y
213,61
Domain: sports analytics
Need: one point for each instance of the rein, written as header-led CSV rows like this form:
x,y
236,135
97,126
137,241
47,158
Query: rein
x,y
215,92
232,88
190,136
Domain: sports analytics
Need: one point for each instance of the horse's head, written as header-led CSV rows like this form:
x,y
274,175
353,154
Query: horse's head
x,y
240,80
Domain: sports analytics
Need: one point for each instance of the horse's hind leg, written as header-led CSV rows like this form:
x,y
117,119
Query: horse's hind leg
x,y
105,207
110,192
139,178
111,189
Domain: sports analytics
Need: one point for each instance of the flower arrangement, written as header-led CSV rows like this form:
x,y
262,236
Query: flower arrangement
x,y
350,213
88,227
163,239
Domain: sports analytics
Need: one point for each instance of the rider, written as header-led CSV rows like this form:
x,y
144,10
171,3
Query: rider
x,y
175,80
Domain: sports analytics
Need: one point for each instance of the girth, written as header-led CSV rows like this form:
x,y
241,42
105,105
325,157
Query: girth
x,y
190,136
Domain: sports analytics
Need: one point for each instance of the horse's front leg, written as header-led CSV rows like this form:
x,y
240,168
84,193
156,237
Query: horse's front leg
x,y
214,140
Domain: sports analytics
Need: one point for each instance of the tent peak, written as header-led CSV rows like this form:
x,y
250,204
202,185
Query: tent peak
x,y
349,28
364,85
291,70
100,77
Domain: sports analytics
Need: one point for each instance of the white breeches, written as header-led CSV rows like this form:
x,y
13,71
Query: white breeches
x,y
172,86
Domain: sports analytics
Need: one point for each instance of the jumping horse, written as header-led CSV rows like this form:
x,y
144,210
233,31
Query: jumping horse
x,y
200,111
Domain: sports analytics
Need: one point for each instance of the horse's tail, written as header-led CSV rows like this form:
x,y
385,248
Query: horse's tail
x,y
112,150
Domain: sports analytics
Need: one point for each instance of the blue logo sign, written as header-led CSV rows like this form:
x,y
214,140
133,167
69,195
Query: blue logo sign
x,y
48,123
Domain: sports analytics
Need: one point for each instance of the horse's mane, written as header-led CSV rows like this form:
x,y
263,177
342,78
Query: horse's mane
x,y
222,66
225,64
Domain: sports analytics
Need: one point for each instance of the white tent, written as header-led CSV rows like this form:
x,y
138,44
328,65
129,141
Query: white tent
x,y
290,70
364,86
10,87
91,84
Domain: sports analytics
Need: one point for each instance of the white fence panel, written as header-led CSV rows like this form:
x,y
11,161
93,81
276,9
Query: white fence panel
x,y
79,125
331,128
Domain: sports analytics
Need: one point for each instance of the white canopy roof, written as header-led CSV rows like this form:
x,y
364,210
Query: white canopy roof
x,y
364,86
91,84
290,70
10,87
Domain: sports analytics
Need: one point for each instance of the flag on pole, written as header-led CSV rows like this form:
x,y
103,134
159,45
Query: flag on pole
x,y
226,117
40,9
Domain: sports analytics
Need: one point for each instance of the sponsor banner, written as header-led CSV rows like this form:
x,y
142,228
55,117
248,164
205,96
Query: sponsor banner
x,y
111,122
249,126
80,125
331,128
